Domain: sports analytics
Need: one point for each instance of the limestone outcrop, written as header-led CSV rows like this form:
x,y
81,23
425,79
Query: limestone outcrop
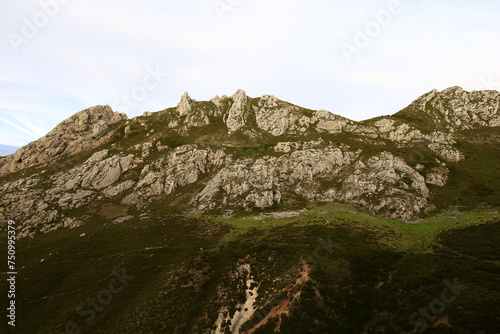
x,y
85,130
242,153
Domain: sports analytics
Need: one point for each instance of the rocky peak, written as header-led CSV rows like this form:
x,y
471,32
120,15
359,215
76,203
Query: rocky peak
x,y
236,117
84,130
422,100
217,100
454,90
93,119
185,106
268,101
239,96
456,109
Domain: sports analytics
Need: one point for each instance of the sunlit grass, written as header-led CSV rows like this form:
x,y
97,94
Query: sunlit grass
x,y
414,236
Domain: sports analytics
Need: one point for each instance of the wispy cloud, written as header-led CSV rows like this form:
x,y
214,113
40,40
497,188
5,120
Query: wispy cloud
x,y
24,129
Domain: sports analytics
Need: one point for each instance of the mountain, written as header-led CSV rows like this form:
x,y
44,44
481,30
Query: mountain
x,y
7,149
241,153
255,215
83,131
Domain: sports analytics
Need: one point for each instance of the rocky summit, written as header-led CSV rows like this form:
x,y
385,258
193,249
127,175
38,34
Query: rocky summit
x,y
244,215
242,153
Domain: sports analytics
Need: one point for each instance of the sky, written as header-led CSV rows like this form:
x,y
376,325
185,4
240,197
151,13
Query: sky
x,y
358,58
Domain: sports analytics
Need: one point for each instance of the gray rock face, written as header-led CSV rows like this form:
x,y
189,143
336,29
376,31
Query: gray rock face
x,y
264,182
328,122
39,205
236,117
96,173
306,173
32,207
188,115
438,176
457,109
272,119
183,166
387,185
118,189
185,105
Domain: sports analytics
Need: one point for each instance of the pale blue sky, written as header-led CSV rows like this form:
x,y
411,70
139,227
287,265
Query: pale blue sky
x,y
88,52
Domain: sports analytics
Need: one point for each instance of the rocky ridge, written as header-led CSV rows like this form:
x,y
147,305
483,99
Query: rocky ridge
x,y
455,109
83,131
242,153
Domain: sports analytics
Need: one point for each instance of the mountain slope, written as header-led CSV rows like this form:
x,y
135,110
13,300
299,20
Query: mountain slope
x,y
223,216
454,109
85,130
241,153
328,270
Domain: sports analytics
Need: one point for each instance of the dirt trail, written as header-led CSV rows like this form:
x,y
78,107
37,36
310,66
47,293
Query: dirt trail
x,y
292,292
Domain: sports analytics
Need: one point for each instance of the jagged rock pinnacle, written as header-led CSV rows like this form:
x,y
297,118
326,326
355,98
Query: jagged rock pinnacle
x,y
239,95
236,117
185,105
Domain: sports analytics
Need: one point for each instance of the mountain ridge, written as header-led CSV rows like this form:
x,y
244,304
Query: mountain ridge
x,y
72,135
83,120
243,153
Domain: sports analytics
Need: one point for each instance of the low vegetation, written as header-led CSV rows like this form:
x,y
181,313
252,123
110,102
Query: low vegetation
x,y
378,273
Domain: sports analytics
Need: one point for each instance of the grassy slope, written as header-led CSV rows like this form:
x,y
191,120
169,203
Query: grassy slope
x,y
473,181
179,262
